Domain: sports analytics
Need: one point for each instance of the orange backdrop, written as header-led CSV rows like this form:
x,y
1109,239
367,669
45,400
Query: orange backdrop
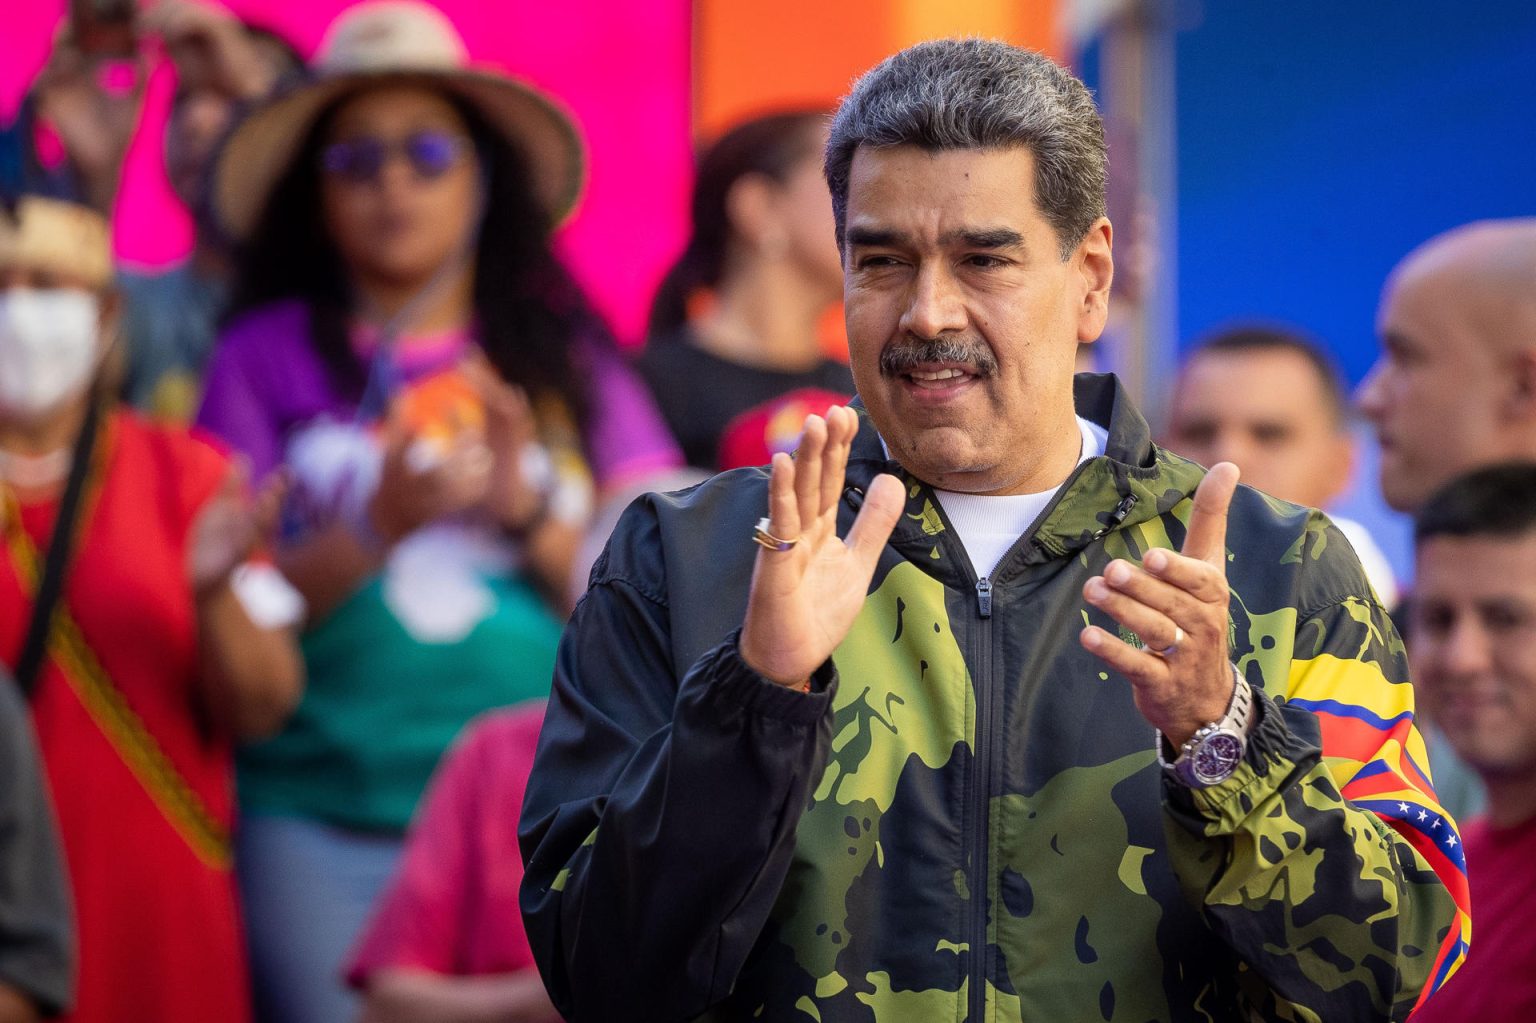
x,y
752,57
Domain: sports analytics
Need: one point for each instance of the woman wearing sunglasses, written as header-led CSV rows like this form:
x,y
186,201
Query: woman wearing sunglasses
x,y
445,405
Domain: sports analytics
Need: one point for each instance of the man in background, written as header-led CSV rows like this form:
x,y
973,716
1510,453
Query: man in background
x,y
1474,664
1274,403
1455,385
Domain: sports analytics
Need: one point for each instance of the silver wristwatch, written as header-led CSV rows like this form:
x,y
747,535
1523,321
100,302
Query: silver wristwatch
x,y
1213,753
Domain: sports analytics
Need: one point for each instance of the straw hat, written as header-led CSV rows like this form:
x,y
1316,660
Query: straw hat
x,y
66,238
384,41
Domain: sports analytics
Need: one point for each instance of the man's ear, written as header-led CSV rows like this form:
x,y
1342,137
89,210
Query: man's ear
x,y
1095,263
1520,399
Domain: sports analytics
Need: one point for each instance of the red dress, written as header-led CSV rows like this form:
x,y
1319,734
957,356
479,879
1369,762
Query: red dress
x,y
142,786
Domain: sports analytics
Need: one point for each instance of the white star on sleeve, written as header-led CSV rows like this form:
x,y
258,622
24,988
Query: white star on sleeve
x,y
1423,815
1436,824
1402,807
1450,840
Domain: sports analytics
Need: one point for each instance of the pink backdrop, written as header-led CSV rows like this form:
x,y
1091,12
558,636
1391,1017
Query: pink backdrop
x,y
621,67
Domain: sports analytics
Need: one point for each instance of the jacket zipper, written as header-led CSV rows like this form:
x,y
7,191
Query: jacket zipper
x,y
981,880
981,885
982,761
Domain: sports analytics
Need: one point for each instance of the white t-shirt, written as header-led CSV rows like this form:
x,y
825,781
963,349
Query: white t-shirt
x,y
988,526
1378,570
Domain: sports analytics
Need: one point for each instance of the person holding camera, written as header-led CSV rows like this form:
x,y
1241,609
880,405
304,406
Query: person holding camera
x,y
88,102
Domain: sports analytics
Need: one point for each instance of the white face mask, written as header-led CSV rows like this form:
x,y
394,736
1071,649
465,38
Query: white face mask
x,y
48,349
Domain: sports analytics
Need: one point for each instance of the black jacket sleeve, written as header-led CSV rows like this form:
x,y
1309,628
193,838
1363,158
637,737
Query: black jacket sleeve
x,y
36,925
660,817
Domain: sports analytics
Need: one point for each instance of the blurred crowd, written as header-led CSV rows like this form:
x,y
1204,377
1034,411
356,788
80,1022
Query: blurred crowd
x,y
291,528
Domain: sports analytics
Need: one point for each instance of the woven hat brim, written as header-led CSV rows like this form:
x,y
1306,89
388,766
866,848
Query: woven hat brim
x,y
263,146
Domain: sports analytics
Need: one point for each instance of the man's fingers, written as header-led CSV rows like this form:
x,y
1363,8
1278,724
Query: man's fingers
x,y
1169,581
1137,665
808,460
783,505
834,461
883,502
1206,537
1156,629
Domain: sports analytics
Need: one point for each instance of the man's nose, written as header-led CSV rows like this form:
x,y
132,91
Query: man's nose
x,y
1368,396
1466,651
934,305
1229,446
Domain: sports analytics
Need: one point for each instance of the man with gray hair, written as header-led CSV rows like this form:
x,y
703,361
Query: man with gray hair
x,y
993,714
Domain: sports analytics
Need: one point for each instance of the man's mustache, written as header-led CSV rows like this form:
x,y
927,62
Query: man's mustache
x,y
906,355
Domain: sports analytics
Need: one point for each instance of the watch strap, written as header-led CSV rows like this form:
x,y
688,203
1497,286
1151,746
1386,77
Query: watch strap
x,y
1226,737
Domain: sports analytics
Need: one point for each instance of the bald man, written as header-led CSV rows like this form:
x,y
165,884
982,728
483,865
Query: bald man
x,y
1455,386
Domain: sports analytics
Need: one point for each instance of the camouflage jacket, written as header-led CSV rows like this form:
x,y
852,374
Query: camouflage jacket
x,y
965,818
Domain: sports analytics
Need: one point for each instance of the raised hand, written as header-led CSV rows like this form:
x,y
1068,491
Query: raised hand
x,y
804,600
95,122
513,498
421,482
210,48
231,525
1178,605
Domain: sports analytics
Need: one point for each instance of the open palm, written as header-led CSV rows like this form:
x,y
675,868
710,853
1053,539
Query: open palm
x,y
804,600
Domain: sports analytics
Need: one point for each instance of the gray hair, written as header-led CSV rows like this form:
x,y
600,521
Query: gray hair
x,y
980,94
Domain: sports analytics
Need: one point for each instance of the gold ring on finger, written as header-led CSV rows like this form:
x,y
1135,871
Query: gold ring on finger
x,y
763,538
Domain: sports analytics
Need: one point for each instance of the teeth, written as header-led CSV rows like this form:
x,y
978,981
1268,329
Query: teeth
x,y
943,374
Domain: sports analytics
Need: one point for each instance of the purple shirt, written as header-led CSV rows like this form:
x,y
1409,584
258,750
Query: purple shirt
x,y
266,379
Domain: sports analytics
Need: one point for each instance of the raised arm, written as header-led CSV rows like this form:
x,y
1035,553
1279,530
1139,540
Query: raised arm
x,y
661,815
1336,876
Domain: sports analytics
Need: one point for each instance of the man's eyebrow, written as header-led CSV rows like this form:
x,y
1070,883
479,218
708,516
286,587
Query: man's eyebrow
x,y
990,238
876,236
970,237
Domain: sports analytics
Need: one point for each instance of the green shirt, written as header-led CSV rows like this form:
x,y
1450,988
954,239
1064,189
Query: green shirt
x,y
381,705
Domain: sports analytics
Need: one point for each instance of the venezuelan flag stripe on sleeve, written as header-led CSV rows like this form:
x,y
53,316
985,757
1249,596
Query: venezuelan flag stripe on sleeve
x,y
1376,754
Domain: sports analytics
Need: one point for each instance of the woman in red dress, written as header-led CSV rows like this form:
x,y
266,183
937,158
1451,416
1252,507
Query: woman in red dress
x,y
163,646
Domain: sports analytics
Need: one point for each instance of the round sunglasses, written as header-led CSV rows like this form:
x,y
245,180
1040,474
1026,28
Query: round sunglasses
x,y
431,154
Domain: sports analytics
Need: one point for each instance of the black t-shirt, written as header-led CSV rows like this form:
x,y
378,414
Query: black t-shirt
x,y
699,393
36,922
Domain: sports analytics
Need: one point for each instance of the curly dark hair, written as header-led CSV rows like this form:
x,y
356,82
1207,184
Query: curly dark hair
x,y
531,312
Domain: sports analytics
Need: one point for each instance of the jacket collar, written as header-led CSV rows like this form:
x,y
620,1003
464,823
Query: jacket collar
x,y
1132,482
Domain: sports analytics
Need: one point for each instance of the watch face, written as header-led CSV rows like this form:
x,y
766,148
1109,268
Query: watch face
x,y
1217,757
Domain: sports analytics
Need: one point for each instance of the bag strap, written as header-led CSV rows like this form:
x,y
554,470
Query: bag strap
x,y
60,548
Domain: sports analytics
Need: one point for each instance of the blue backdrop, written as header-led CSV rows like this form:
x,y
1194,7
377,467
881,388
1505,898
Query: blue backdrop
x,y
1319,142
